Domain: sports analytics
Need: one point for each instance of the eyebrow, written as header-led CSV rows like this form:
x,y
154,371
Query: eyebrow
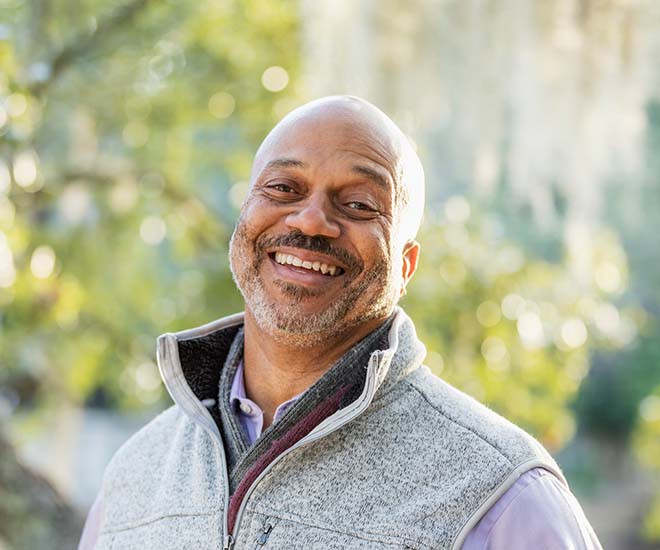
x,y
284,163
374,175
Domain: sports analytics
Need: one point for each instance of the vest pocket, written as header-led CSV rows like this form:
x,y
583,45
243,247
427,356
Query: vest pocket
x,y
171,532
277,533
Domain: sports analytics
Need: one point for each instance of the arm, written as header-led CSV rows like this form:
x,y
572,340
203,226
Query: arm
x,y
92,526
538,511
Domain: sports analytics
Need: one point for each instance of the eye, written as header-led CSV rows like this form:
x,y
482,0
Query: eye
x,y
281,191
282,188
360,210
356,205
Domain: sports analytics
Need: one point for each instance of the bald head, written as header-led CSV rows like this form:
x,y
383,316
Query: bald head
x,y
362,121
325,242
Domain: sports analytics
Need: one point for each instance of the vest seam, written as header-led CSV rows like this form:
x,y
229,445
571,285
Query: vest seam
x,y
466,428
496,494
151,519
362,535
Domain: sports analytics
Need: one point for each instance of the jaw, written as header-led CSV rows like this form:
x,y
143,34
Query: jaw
x,y
304,308
313,303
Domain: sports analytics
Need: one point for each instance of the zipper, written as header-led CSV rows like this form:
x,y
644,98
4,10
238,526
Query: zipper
x,y
178,388
325,428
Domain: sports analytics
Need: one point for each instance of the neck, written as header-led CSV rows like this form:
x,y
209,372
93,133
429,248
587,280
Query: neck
x,y
276,370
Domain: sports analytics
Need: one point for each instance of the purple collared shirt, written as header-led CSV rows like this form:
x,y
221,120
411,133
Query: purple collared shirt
x,y
249,413
537,511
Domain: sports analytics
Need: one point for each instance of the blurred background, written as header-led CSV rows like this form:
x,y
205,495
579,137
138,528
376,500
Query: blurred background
x,y
126,137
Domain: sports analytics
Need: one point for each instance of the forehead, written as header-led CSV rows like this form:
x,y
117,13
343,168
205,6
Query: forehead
x,y
330,140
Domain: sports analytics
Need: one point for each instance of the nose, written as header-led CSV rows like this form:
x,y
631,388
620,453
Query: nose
x,y
312,218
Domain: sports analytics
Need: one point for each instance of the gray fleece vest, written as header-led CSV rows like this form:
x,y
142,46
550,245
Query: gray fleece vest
x,y
410,463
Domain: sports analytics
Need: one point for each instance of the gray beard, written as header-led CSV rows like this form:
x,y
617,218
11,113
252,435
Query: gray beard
x,y
374,297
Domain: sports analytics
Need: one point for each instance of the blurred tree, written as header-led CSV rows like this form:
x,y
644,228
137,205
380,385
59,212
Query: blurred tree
x,y
127,138
28,522
126,135
647,444
513,331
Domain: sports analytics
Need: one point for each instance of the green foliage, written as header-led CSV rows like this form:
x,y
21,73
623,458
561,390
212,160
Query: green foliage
x,y
513,331
608,402
126,133
647,445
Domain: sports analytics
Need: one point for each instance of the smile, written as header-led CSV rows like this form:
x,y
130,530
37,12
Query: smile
x,y
325,269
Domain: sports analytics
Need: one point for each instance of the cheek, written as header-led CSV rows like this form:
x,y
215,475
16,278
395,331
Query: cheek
x,y
376,249
258,214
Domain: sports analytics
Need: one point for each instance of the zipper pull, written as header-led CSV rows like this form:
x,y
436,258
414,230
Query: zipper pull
x,y
268,527
228,543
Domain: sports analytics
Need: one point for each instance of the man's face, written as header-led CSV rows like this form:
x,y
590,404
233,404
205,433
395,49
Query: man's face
x,y
315,252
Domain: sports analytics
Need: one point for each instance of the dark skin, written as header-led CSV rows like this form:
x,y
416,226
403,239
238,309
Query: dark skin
x,y
332,174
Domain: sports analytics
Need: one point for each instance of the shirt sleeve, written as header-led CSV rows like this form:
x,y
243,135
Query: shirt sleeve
x,y
537,511
90,532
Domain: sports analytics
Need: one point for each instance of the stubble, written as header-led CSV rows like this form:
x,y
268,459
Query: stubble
x,y
366,295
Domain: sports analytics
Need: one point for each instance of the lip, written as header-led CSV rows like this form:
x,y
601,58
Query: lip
x,y
309,256
300,275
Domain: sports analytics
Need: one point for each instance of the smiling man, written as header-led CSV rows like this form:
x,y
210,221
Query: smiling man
x,y
309,421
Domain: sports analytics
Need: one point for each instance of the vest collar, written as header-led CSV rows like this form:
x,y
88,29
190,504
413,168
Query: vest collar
x,y
210,343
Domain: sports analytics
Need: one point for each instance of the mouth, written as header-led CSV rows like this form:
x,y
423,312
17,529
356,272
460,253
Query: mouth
x,y
308,264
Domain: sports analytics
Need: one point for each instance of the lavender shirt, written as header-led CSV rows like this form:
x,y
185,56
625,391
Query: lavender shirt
x,y
537,511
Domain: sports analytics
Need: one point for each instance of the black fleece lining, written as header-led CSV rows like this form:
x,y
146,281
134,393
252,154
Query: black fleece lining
x,y
201,359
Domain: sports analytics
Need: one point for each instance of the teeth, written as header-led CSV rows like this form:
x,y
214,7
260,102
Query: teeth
x,y
289,259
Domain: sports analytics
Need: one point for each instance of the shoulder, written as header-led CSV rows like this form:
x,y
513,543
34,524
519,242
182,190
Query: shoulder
x,y
151,438
441,404
150,469
537,511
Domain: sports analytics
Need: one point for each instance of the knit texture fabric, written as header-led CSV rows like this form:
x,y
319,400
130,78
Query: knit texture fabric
x,y
233,436
347,373
416,468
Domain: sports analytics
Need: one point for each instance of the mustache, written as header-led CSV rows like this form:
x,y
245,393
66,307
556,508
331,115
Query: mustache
x,y
315,243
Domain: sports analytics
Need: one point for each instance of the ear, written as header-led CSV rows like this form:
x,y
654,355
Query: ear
x,y
410,259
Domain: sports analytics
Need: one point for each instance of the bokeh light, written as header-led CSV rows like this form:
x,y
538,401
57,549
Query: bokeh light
x,y
124,195
488,313
5,178
574,333
530,330
7,269
153,230
16,105
25,169
222,105
42,262
275,79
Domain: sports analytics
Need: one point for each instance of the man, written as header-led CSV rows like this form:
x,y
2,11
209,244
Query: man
x,y
308,422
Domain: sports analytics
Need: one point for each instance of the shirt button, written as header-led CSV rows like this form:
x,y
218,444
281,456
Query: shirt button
x,y
245,408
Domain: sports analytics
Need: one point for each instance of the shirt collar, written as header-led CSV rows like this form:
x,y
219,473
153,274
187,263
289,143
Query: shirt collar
x,y
239,400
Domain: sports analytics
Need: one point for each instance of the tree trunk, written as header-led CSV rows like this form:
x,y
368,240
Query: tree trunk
x,y
32,513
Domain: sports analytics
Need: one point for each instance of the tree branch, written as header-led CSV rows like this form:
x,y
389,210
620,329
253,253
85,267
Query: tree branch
x,y
85,43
